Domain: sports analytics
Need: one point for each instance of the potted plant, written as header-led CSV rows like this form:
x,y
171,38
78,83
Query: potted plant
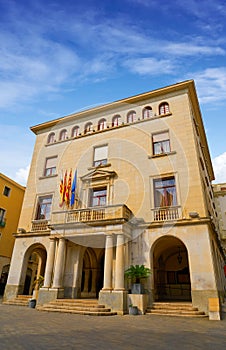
x,y
133,310
136,273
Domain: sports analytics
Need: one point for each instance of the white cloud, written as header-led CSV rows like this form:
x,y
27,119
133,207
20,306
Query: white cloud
x,y
211,84
219,165
150,66
22,175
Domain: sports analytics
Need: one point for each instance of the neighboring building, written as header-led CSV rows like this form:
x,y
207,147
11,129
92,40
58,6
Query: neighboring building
x,y
142,184
11,199
219,191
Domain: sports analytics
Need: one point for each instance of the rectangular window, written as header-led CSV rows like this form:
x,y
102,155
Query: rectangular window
x,y
161,143
100,155
98,197
165,192
6,191
2,217
44,208
50,166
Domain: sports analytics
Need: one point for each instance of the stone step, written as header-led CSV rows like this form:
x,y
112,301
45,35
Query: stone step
x,y
20,300
175,312
16,302
174,309
103,312
75,307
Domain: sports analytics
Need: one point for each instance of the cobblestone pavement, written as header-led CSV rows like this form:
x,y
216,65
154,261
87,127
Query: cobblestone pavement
x,y
24,328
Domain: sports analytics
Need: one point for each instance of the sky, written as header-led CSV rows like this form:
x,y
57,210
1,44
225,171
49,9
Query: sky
x,y
60,57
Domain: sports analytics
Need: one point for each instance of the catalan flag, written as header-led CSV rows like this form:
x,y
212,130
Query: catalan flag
x,y
68,189
63,187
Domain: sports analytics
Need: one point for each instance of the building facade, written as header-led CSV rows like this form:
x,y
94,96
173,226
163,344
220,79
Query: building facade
x,y
219,191
121,184
11,199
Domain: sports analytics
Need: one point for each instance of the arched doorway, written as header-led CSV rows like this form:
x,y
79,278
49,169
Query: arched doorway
x,y
171,270
92,272
33,268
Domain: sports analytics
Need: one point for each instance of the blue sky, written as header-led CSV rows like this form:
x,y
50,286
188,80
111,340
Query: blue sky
x,y
58,57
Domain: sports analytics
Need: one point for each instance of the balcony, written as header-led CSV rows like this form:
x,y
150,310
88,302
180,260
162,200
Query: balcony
x,y
98,214
166,213
39,225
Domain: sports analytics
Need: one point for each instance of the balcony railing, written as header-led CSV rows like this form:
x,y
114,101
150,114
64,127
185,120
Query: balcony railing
x,y
166,213
39,225
112,212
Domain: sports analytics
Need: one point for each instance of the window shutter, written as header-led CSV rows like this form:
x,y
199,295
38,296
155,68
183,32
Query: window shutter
x,y
100,153
51,162
161,137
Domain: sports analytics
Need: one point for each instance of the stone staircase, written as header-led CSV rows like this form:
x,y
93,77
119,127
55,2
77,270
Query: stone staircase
x,y
174,309
20,300
77,306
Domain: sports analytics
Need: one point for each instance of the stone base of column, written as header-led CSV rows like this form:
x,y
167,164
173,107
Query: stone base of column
x,y
115,300
11,291
46,295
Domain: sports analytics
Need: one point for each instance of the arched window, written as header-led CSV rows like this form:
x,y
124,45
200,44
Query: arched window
x,y
131,117
164,108
51,138
75,131
102,124
147,112
63,135
116,120
88,128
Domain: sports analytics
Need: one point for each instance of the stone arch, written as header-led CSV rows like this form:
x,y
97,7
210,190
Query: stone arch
x,y
34,264
170,266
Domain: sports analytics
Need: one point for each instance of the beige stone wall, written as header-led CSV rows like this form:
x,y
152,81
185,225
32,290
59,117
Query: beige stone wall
x,y
130,156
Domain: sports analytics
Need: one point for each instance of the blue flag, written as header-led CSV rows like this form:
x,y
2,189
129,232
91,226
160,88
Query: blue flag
x,y
73,189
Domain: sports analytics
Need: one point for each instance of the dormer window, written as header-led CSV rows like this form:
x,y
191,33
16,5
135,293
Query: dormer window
x,y
164,108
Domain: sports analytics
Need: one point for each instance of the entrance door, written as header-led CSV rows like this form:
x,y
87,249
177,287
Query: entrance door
x,y
92,272
171,270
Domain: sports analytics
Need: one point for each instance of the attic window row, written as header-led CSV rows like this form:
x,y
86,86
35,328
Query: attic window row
x,y
116,121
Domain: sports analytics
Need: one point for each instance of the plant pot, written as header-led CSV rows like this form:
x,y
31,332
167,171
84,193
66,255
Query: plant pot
x,y
32,303
137,288
133,310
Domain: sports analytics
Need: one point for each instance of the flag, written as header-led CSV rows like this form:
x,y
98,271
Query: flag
x,y
73,189
63,188
68,189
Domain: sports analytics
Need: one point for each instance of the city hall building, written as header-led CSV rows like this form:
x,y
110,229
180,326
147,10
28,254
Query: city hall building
x,y
121,184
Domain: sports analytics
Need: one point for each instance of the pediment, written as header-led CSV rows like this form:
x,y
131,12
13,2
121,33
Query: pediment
x,y
98,174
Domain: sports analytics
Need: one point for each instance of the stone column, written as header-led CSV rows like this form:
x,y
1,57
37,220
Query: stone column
x,y
119,264
108,263
49,263
58,273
